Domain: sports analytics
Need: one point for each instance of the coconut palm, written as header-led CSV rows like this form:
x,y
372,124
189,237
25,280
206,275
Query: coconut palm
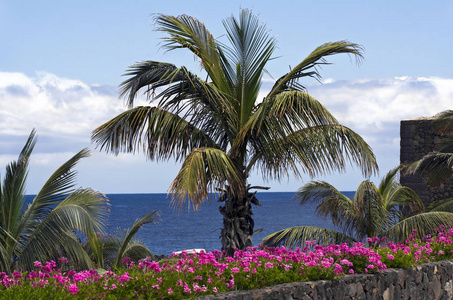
x,y
437,166
373,211
50,226
219,128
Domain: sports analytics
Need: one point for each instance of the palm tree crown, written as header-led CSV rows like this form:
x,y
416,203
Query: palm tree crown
x,y
373,211
219,128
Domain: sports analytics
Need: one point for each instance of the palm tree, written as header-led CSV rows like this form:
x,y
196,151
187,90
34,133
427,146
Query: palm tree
x,y
123,243
373,211
437,166
219,128
50,226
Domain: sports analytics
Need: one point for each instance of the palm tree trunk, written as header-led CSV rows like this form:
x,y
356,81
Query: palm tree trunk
x,y
237,224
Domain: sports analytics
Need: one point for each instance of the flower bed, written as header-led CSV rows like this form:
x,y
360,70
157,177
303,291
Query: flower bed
x,y
192,275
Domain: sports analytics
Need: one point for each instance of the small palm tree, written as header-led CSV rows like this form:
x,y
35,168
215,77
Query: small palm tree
x,y
219,128
50,225
373,211
123,243
437,166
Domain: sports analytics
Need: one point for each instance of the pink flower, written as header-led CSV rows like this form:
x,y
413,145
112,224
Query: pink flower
x,y
235,270
62,260
126,260
187,289
73,289
124,277
170,291
38,264
214,289
390,256
268,265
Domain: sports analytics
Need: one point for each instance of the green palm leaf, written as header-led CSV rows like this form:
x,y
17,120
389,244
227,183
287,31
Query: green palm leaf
x,y
59,184
316,150
13,188
308,66
83,210
437,166
444,122
441,205
203,171
187,32
424,224
163,134
252,48
128,248
296,236
330,203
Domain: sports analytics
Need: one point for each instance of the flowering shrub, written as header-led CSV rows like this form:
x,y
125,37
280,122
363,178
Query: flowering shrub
x,y
192,275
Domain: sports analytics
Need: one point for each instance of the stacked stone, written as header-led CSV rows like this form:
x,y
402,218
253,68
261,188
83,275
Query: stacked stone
x,y
431,281
417,140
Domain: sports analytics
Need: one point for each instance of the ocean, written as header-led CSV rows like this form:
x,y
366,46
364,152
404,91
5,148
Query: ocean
x,y
178,230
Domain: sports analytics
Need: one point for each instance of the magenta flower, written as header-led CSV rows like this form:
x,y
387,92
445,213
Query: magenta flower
x,y
73,289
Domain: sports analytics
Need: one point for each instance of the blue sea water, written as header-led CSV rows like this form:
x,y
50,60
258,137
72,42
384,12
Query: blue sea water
x,y
179,230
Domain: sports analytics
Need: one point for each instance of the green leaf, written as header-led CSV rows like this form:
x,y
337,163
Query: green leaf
x,y
296,236
127,247
205,170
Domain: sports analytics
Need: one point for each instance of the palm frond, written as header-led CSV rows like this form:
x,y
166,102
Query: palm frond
x,y
187,32
251,49
13,188
308,66
5,260
373,214
438,167
330,203
83,210
424,224
58,186
287,112
388,183
446,145
403,196
126,247
161,133
203,171
441,205
316,151
137,250
184,94
444,122
296,236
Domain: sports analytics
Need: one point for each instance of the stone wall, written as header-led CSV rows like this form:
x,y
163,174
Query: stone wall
x,y
417,140
424,282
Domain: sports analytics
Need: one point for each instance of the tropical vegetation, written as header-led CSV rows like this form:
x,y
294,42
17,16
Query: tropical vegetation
x,y
59,221
188,276
48,227
218,126
437,166
372,212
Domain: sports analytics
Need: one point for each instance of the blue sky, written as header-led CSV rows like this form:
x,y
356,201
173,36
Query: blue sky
x,y
61,63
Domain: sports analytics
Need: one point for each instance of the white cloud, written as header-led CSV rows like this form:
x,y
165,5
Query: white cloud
x,y
53,105
65,111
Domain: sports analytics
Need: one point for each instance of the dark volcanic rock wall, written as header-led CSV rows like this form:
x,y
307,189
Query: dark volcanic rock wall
x,y
417,140
424,282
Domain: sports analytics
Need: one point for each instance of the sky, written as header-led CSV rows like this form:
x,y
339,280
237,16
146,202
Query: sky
x,y
62,61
